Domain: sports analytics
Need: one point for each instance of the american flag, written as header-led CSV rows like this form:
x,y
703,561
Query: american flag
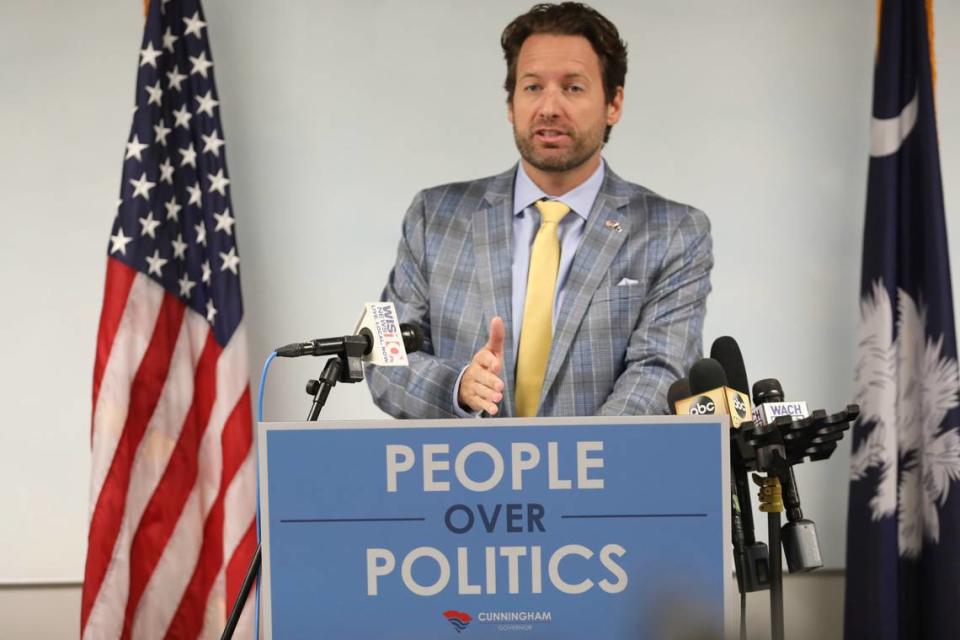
x,y
903,544
172,526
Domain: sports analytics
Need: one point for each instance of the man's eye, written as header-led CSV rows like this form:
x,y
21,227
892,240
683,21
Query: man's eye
x,y
576,88
532,88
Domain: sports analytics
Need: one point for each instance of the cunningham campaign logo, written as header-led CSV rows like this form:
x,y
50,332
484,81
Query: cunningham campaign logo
x,y
458,619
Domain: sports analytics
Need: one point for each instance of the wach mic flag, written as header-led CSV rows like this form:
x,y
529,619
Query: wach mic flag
x,y
172,472
903,547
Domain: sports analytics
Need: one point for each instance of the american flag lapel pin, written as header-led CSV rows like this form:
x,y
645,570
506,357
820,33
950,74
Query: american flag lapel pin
x,y
613,224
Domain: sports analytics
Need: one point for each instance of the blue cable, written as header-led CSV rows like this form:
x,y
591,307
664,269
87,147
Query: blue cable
x,y
256,602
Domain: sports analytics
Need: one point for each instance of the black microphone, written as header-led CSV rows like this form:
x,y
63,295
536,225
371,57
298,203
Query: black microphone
x,y
753,569
799,536
410,333
726,351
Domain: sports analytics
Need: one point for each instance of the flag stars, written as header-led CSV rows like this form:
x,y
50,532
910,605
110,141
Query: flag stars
x,y
201,236
189,156
186,286
205,269
193,25
182,117
200,64
156,263
212,143
156,94
195,194
149,55
218,182
166,172
175,78
169,39
119,242
225,222
148,226
134,147
211,311
207,103
142,186
179,248
173,209
160,131
230,261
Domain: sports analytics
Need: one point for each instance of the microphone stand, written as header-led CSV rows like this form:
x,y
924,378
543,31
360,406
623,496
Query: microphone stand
x,y
774,449
344,367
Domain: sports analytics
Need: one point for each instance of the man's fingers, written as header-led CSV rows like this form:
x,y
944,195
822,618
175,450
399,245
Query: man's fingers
x,y
486,399
488,360
489,380
497,334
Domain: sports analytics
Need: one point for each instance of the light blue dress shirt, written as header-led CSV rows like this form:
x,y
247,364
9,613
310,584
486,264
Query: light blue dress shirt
x,y
526,222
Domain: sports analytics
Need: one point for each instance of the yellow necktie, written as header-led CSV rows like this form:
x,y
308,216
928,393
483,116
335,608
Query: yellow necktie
x,y
536,332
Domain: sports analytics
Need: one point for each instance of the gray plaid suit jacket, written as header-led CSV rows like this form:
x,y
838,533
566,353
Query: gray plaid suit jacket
x,y
616,347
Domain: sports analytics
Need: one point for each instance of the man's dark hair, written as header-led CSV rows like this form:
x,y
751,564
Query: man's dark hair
x,y
568,19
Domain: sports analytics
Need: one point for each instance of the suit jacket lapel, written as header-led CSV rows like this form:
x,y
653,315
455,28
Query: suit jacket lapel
x,y
607,228
493,251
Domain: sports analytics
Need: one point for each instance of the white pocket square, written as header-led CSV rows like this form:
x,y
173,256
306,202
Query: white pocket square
x,y
626,282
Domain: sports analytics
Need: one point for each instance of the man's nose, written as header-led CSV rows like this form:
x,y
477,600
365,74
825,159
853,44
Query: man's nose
x,y
550,103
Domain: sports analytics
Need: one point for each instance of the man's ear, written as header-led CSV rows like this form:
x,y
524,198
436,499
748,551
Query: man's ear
x,y
615,108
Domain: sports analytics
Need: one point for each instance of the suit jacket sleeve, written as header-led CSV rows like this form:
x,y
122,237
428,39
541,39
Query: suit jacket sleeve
x,y
425,388
668,337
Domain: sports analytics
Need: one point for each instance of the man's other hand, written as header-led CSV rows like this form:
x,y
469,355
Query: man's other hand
x,y
481,387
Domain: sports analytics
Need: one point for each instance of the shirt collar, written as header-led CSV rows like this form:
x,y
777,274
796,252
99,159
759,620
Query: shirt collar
x,y
580,199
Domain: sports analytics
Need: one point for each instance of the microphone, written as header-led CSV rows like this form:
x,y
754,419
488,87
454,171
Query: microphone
x,y
799,536
710,395
410,334
768,404
752,557
678,390
379,338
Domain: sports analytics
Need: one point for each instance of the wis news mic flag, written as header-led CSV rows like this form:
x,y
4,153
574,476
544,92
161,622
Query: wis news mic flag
x,y
903,546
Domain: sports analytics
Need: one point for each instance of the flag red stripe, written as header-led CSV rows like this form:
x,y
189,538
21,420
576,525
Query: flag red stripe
x,y
166,504
236,440
119,281
145,392
239,563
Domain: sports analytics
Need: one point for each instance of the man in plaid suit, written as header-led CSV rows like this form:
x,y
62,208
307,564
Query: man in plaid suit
x,y
633,271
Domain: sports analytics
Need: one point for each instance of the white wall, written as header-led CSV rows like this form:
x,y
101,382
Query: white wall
x,y
336,113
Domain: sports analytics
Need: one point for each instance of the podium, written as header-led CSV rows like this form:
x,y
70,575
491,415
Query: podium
x,y
547,528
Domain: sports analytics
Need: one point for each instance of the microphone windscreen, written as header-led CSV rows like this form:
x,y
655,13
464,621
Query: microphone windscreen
x,y
412,337
726,351
678,391
767,390
706,374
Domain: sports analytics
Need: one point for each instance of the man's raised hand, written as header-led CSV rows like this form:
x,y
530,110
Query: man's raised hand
x,y
481,387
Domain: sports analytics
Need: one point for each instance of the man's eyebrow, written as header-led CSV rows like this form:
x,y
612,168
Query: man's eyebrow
x,y
573,75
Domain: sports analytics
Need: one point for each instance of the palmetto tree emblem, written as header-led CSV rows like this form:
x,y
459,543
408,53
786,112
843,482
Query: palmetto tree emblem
x,y
905,388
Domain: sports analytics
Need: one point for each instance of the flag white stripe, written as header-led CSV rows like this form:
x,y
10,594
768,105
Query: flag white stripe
x,y
171,575
129,345
240,502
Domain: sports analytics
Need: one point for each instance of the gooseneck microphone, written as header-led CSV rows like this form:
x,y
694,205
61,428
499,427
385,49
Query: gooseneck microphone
x,y
411,335
755,568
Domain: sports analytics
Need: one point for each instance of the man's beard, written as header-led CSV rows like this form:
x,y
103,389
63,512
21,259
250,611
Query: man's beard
x,y
581,149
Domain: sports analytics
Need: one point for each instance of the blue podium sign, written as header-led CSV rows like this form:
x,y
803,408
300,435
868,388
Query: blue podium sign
x,y
547,528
